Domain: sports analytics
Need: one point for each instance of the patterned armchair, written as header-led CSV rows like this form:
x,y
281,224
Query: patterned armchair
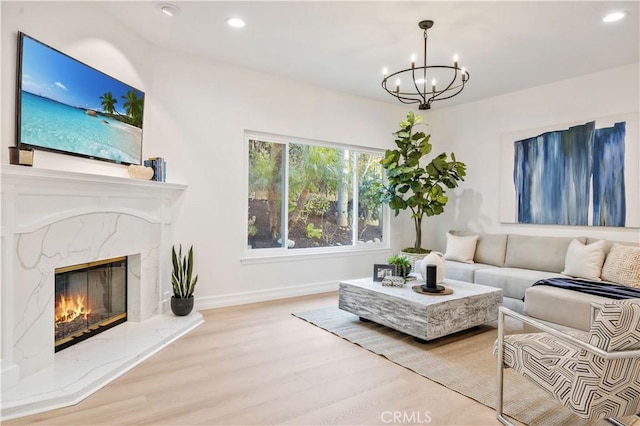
x,y
595,374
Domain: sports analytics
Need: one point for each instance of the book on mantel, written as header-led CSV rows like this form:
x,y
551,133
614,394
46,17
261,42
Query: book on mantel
x,y
159,166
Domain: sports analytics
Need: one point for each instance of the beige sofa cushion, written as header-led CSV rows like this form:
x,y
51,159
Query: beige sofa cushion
x,y
622,265
537,253
463,271
561,306
608,244
461,248
584,261
490,248
512,281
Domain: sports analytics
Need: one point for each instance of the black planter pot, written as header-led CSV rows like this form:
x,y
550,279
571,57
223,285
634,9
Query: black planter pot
x,y
404,272
181,307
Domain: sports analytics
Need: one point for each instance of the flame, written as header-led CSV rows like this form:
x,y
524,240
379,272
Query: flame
x,y
71,308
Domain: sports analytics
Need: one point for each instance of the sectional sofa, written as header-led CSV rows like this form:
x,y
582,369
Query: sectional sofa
x,y
514,262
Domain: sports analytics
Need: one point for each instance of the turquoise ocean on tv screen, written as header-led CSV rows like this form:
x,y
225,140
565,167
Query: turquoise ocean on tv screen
x,y
54,125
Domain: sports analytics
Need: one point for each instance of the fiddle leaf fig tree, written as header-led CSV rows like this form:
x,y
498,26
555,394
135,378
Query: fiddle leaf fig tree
x,y
413,185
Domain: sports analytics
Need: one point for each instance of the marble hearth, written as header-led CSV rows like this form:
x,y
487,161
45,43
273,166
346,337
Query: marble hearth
x,y
53,219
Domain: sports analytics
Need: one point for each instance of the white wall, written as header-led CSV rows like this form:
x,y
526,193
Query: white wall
x,y
473,131
199,113
196,112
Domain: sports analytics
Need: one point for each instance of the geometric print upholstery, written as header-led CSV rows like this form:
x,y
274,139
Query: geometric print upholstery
x,y
607,388
545,360
592,386
617,326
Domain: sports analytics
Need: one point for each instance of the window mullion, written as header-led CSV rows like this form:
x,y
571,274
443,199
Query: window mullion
x,y
354,207
285,198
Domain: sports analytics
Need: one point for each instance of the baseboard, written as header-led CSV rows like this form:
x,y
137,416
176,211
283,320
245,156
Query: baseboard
x,y
244,298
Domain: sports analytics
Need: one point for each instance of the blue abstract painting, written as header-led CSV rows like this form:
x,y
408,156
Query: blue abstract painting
x,y
560,175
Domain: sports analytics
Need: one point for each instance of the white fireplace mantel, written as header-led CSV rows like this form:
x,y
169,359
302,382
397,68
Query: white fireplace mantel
x,y
37,196
52,219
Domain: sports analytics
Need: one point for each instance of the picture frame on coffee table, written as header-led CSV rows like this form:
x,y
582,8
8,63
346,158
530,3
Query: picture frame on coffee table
x,y
381,270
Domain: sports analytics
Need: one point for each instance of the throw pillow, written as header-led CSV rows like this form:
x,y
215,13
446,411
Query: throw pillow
x,y
584,261
622,265
461,249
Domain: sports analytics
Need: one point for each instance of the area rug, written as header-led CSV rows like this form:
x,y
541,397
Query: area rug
x,y
463,362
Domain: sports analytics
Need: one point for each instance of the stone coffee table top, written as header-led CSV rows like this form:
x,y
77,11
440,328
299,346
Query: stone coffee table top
x,y
423,316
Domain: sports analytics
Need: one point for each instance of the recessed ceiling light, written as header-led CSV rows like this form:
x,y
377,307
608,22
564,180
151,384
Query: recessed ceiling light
x,y
168,9
235,22
614,16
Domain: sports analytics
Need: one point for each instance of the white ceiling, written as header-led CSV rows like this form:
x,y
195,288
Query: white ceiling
x,y
505,45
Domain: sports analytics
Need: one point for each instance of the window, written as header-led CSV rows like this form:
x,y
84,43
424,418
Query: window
x,y
307,195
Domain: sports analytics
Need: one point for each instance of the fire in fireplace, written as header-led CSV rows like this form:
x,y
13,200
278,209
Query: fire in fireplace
x,y
89,299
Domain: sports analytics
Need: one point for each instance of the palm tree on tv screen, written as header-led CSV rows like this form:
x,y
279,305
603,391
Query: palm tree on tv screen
x,y
133,107
108,102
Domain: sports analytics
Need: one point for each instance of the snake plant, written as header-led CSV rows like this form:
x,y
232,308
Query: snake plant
x,y
182,277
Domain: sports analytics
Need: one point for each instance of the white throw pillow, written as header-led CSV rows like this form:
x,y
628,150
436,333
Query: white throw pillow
x,y
461,249
622,265
584,261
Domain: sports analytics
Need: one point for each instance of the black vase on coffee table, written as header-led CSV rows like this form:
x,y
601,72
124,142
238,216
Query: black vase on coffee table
x,y
430,286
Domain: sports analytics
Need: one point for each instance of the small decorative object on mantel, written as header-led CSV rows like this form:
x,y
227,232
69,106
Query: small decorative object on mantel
x,y
140,172
20,157
183,282
159,166
393,281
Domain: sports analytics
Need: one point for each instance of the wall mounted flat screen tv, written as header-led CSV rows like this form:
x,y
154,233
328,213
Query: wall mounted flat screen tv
x,y
69,107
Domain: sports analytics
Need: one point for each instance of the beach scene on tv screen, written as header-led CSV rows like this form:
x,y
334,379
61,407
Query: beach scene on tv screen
x,y
68,106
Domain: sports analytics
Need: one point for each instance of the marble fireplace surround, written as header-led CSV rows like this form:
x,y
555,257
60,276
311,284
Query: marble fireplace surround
x,y
52,219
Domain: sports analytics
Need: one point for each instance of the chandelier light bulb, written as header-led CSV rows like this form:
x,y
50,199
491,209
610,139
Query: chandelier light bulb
x,y
413,61
385,71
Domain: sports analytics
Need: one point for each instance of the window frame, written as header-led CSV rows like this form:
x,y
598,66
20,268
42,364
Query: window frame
x,y
265,255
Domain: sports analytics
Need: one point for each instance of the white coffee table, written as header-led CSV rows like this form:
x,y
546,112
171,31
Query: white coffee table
x,y
425,317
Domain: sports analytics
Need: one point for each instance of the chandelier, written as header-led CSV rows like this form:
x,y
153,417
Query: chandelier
x,y
421,92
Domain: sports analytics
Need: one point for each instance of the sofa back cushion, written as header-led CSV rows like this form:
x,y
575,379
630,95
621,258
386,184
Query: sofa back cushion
x,y
490,248
539,253
608,244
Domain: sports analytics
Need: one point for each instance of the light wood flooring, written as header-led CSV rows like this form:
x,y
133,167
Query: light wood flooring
x,y
257,364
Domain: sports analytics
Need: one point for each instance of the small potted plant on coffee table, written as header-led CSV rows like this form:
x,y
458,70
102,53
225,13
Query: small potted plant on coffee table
x,y
183,282
403,265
